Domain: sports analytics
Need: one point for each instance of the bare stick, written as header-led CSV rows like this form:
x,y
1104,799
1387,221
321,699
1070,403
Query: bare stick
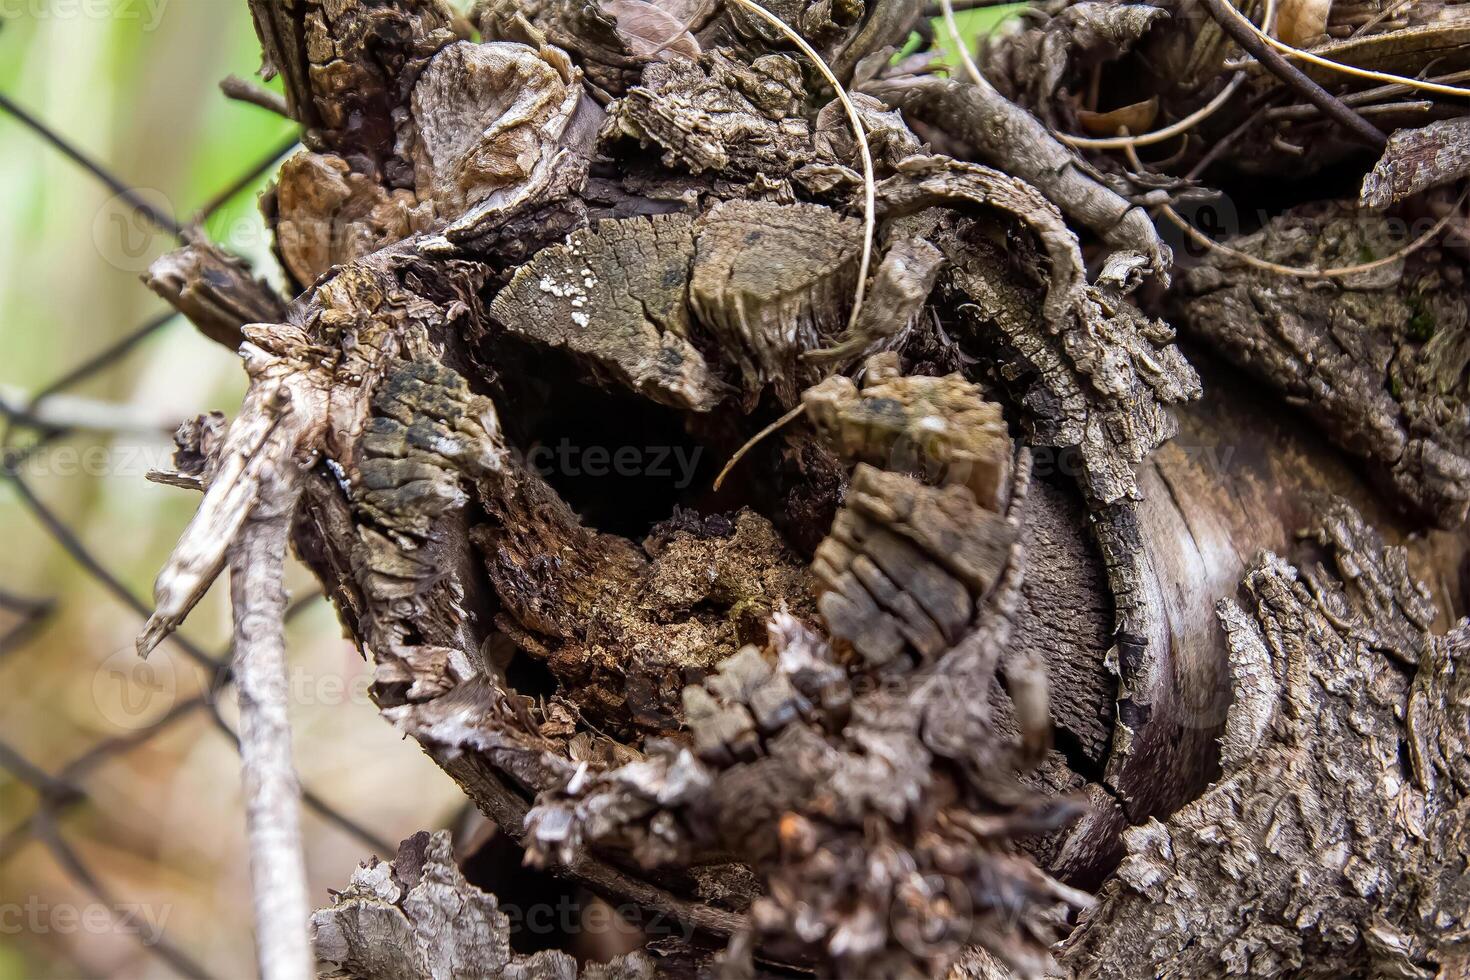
x,y
272,794
240,90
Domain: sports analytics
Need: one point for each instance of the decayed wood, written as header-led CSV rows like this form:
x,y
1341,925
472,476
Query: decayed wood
x,y
418,917
632,275
885,702
1335,837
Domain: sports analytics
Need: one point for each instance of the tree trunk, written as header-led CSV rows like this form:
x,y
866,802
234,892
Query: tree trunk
x,y
1032,640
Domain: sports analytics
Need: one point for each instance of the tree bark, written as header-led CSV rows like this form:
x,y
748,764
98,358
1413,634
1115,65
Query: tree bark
x,y
1038,639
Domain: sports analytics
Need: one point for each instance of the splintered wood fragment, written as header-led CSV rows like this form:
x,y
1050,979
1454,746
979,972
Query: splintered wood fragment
x,y
196,453
942,428
284,410
271,792
907,562
616,298
773,281
1418,159
215,290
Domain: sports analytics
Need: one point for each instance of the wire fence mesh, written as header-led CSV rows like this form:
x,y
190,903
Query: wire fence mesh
x,y
25,431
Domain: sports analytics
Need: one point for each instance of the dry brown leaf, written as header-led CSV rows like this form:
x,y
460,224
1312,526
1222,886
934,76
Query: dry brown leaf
x,y
647,28
1135,118
1301,21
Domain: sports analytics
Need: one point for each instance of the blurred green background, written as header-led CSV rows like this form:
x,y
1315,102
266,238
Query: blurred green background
x,y
133,83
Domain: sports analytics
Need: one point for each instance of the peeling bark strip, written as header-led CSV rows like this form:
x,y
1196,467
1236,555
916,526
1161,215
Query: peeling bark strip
x,y
1417,159
884,703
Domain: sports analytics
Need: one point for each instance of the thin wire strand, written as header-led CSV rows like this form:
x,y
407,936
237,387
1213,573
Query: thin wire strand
x,y
62,790
73,153
246,179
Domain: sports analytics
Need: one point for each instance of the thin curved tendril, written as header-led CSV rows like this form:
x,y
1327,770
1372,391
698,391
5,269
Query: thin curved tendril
x,y
870,193
964,49
1158,135
1174,129
753,440
1380,76
1301,272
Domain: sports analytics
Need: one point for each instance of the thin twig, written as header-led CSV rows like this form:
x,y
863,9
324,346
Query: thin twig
x,y
755,439
309,798
122,190
1365,97
1259,45
1157,135
1246,27
1381,16
1301,111
237,88
271,791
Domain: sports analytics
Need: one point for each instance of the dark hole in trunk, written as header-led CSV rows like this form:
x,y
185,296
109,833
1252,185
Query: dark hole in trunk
x,y
623,462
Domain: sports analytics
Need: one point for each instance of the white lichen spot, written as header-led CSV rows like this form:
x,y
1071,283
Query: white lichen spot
x,y
580,319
